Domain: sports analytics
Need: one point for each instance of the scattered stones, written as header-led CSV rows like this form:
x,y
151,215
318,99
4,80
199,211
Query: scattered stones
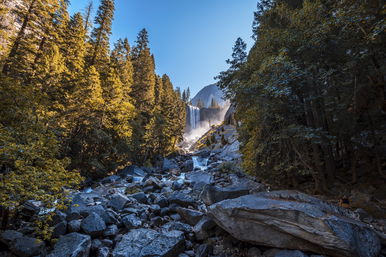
x,y
72,245
93,225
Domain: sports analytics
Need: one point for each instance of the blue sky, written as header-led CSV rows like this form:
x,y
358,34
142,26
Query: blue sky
x,y
191,39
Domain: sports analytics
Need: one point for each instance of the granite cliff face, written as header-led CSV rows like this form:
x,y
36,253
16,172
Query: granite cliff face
x,y
207,94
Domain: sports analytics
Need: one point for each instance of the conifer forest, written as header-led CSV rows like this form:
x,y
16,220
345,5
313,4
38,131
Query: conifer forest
x,y
283,156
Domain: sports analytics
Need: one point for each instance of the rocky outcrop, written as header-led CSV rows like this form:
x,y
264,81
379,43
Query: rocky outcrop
x,y
213,194
72,245
292,220
21,245
147,242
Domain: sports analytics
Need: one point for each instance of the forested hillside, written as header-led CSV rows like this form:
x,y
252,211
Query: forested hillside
x,y
71,105
310,95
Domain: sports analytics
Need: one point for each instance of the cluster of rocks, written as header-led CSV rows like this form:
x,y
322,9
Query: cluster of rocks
x,y
178,211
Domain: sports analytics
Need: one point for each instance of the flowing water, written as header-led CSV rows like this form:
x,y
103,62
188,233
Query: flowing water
x,y
200,163
193,116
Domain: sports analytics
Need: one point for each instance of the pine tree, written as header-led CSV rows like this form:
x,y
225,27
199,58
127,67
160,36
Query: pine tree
x,y
143,89
214,104
188,95
200,104
100,47
37,33
87,16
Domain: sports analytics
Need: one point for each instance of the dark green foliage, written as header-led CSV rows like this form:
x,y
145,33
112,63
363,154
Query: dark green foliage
x,y
311,94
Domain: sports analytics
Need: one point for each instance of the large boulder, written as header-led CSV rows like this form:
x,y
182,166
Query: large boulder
x,y
293,220
181,198
213,194
131,221
72,245
147,242
199,179
169,165
118,202
21,245
93,225
132,170
192,217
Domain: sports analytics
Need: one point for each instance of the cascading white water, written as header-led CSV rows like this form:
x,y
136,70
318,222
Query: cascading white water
x,y
194,117
200,163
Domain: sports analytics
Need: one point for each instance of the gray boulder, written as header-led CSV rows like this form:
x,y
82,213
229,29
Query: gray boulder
x,y
59,229
169,165
110,179
21,245
147,242
293,220
199,179
72,245
181,199
191,217
187,166
213,194
118,202
111,230
140,197
132,170
103,252
131,221
93,225
203,227
74,225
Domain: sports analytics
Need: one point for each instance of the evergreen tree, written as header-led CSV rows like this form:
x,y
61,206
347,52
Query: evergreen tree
x,y
200,104
301,117
188,95
100,47
143,89
214,104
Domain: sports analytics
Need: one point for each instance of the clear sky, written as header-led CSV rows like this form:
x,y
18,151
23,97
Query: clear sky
x,y
191,39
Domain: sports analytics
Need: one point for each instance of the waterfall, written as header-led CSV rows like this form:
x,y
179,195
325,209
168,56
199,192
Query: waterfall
x,y
193,116
200,163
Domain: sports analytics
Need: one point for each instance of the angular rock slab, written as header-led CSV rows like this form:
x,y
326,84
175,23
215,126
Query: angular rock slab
x,y
213,194
293,220
72,245
148,242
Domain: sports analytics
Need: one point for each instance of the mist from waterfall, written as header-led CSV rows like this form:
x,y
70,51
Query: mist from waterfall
x,y
196,127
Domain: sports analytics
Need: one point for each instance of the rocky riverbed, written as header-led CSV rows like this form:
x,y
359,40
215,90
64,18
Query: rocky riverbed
x,y
194,205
